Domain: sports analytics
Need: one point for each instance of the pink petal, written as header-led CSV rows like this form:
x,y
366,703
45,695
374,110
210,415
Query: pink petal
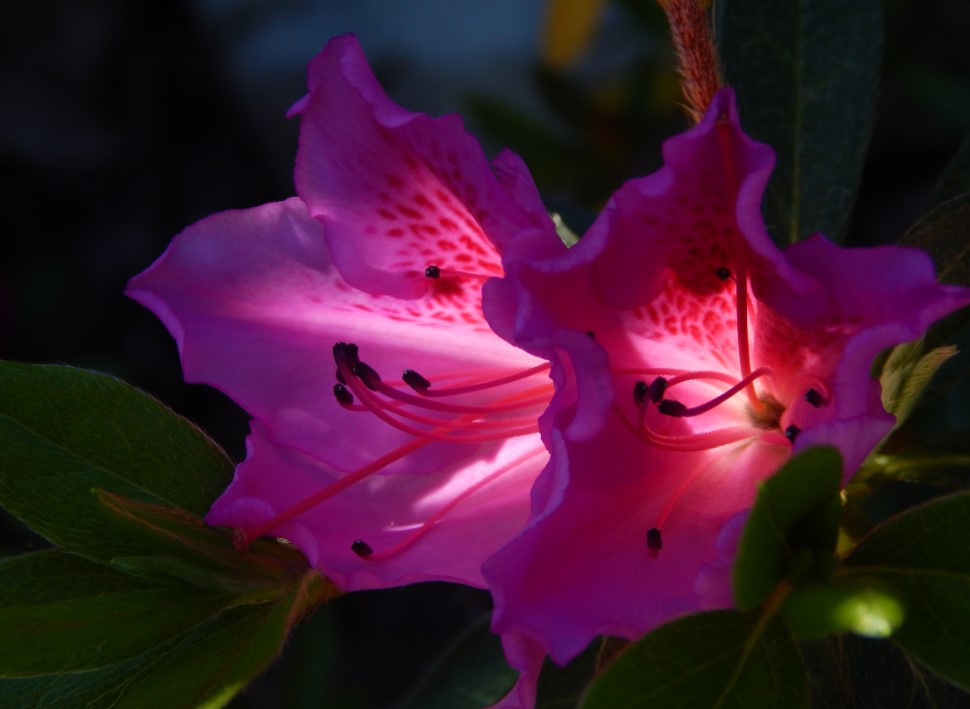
x,y
398,191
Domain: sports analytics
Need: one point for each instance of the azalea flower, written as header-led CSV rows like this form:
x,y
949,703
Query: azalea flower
x,y
394,434
723,357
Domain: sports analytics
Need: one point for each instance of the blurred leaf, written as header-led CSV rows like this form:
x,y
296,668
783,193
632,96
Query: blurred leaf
x,y
944,233
569,28
853,672
924,553
806,75
564,687
792,528
472,673
65,431
869,609
714,659
956,178
907,374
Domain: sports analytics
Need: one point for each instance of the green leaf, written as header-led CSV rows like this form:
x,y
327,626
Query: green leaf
x,y
472,673
907,374
805,74
717,659
869,609
202,667
944,233
924,553
181,547
792,529
564,687
216,665
64,432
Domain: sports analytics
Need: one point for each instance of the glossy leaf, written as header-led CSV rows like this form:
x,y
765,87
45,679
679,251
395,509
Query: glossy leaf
x,y
564,687
873,610
215,665
956,179
924,553
472,673
717,659
204,665
792,528
66,431
806,75
907,374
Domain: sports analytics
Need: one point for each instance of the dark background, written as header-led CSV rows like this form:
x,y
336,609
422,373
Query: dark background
x,y
123,122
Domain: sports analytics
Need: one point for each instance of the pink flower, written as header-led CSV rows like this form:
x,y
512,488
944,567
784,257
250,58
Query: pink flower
x,y
306,313
725,356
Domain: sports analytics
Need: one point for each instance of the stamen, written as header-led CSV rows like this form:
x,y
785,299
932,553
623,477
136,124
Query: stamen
x,y
368,375
723,131
488,384
361,548
426,402
815,398
705,440
654,542
722,273
675,408
657,388
590,334
415,381
438,271
640,391
343,395
791,433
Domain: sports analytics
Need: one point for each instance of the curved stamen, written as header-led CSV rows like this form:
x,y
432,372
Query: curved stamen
x,y
428,403
692,443
448,507
487,384
434,271
367,398
675,408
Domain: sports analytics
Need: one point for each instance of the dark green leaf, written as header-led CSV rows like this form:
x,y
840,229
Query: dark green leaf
x,y
564,687
205,666
792,528
924,553
182,548
944,233
99,620
216,665
806,75
473,673
65,431
956,180
718,659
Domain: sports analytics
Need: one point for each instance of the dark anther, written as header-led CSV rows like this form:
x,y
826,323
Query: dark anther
x,y
415,381
654,540
343,395
813,397
791,433
590,334
340,377
432,272
657,388
368,375
361,548
345,353
722,274
672,408
640,390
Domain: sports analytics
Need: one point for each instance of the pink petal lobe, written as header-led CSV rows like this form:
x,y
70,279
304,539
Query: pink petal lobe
x,y
398,191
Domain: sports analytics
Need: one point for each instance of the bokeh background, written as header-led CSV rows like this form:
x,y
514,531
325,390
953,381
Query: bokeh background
x,y
123,122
